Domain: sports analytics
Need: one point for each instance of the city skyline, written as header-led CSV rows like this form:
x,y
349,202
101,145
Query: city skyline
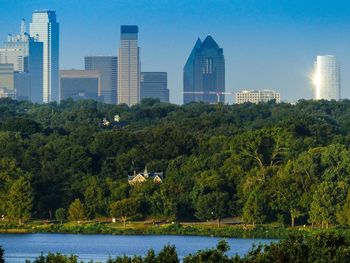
x,y
267,45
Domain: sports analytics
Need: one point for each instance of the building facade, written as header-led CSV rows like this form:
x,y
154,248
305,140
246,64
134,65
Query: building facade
x,y
257,96
23,85
327,78
204,73
26,55
80,84
7,78
154,85
129,66
108,68
45,28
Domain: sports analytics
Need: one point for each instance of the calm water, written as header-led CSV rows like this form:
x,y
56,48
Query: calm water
x,y
19,247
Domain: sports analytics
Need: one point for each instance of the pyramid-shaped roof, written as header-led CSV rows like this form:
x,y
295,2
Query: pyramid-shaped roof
x,y
193,52
209,42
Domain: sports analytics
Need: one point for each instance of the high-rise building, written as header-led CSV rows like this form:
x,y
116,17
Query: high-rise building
x,y
108,68
327,79
129,67
26,55
257,96
204,73
154,85
45,28
80,84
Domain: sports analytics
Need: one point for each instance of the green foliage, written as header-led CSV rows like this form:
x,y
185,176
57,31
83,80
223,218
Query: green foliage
x,y
124,209
211,255
253,208
56,258
60,214
76,211
266,163
20,200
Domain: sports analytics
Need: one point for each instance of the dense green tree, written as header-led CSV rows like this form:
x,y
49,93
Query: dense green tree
x,y
209,196
93,197
168,254
76,211
253,211
124,209
20,200
60,214
326,199
217,254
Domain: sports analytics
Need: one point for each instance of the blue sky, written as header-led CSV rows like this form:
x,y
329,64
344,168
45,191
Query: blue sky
x,y
268,44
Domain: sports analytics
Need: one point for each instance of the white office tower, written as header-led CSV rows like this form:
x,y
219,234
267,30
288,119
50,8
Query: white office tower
x,y
45,28
327,78
129,67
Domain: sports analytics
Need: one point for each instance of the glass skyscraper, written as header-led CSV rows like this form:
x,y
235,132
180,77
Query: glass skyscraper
x,y
204,73
129,67
154,85
327,79
108,68
45,28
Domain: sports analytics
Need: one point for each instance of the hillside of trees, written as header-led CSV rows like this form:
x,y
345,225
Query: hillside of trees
x,y
265,163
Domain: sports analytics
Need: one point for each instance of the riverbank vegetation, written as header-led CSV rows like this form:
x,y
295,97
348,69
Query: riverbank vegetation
x,y
324,247
267,163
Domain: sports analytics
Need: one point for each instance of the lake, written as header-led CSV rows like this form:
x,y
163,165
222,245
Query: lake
x,y
19,247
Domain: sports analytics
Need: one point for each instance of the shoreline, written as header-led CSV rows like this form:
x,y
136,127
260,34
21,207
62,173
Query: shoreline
x,y
260,231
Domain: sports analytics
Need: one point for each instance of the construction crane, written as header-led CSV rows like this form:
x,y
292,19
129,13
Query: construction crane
x,y
217,93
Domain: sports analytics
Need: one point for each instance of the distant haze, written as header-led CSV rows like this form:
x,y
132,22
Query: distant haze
x,y
268,44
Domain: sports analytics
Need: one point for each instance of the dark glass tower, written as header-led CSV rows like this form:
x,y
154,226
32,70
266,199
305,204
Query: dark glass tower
x,y
154,85
204,73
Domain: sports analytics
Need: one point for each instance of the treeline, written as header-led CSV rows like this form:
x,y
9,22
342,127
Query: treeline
x,y
265,163
325,247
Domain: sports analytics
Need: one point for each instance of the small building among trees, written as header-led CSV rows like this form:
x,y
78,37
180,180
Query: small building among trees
x,y
141,177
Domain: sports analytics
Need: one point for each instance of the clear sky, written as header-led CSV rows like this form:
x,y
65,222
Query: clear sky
x,y
268,44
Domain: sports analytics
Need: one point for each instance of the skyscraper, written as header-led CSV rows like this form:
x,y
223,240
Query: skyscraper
x,y
327,79
154,85
129,67
25,53
108,68
45,28
204,73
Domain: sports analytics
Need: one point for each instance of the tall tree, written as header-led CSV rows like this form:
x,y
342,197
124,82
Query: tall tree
x,y
76,211
253,211
124,209
20,200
